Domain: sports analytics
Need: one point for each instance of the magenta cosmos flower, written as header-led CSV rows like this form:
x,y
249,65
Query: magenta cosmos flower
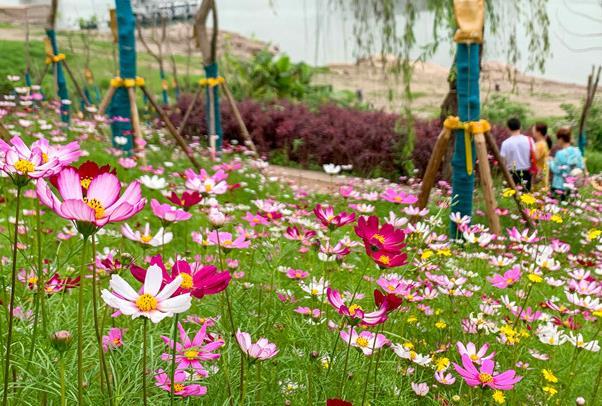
x,y
22,163
113,339
168,213
153,301
477,356
197,279
355,313
485,377
190,353
509,278
102,203
182,386
261,350
331,220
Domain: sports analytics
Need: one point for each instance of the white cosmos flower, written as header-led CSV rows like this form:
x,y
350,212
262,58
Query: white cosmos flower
x,y
406,352
153,182
579,342
145,237
151,302
331,169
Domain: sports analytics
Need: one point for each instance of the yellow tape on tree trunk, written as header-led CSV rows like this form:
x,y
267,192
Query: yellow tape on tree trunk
x,y
470,128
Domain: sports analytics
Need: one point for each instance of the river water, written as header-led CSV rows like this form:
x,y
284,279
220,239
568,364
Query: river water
x,y
310,31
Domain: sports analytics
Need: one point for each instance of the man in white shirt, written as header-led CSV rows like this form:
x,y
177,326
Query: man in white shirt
x,y
516,151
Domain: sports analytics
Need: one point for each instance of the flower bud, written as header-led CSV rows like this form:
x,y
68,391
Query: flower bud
x,y
216,217
61,340
580,401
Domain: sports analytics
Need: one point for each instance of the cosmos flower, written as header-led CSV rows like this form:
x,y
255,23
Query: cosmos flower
x,y
509,278
354,312
145,237
485,376
113,339
101,205
182,384
326,216
398,196
23,164
365,341
169,214
261,350
152,301
477,356
186,200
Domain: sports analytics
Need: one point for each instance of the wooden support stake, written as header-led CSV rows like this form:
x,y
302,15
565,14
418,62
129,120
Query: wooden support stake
x,y
243,128
428,180
77,86
105,102
508,178
189,111
212,137
487,184
135,117
43,75
170,127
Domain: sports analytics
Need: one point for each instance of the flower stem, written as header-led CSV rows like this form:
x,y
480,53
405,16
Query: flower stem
x,y
522,309
172,373
222,268
62,377
11,306
80,326
342,386
370,366
144,344
242,378
39,296
98,331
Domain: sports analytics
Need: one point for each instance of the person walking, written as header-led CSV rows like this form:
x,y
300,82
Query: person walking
x,y
543,143
516,151
567,167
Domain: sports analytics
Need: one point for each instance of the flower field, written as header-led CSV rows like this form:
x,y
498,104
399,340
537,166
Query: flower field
x,y
130,281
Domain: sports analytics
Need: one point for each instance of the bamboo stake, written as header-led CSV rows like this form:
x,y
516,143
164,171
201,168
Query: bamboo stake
x,y
170,127
508,178
243,128
77,86
189,111
135,117
428,180
105,102
487,184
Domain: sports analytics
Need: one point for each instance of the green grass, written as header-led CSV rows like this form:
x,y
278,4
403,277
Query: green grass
x,y
257,310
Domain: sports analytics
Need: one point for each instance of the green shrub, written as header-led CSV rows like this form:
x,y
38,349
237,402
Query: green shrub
x,y
499,108
593,124
594,161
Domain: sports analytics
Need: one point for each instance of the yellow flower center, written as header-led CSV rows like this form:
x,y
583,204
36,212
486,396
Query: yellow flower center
x,y
146,303
146,238
314,292
96,205
474,357
227,242
362,342
117,341
85,182
354,308
186,281
24,166
32,281
191,354
379,237
397,198
384,259
391,288
208,187
510,280
178,387
44,157
485,378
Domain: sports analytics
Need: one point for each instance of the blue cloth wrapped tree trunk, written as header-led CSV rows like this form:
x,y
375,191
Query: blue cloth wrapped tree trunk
x,y
61,81
211,71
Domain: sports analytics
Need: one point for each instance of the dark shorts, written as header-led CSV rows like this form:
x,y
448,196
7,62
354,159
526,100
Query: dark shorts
x,y
522,178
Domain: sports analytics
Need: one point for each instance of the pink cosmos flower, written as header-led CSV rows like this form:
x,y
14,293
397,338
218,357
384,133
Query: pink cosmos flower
x,y
197,279
355,313
205,184
182,385
420,389
471,351
398,196
168,213
152,301
64,154
190,353
485,377
101,205
379,238
113,339
445,378
366,341
527,314
261,350
326,216
227,241
297,274
22,163
256,220
305,236
509,278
